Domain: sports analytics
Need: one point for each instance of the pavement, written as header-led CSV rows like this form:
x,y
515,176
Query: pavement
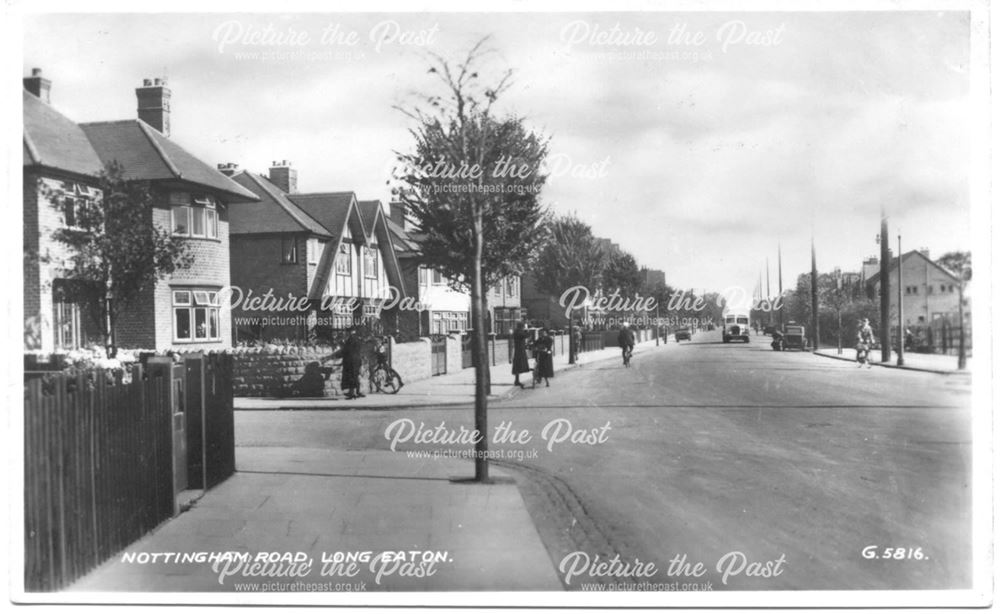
x,y
302,498
329,504
449,389
929,363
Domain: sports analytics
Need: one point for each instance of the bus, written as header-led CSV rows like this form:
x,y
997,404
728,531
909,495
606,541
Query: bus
x,y
736,325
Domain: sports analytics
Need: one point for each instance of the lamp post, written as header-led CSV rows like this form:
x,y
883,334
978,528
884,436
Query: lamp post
x,y
899,296
839,299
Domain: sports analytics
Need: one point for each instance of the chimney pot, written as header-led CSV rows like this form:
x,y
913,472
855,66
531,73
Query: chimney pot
x,y
284,176
154,104
36,72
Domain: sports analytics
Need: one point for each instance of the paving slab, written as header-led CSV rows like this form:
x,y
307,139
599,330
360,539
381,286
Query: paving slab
x,y
326,503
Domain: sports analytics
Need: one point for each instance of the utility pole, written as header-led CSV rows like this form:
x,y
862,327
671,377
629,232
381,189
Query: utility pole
x,y
781,306
883,280
770,315
899,296
815,299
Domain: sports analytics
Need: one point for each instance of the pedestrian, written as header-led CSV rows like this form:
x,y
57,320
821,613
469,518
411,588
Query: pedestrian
x,y
865,339
520,357
626,341
543,356
577,342
350,355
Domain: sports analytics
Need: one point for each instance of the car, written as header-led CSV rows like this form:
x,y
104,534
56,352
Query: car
x,y
682,333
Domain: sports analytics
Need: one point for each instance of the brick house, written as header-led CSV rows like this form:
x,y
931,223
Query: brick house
x,y
62,161
449,309
326,248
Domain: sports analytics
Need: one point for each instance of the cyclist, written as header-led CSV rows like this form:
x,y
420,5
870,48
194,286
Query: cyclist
x,y
865,340
626,341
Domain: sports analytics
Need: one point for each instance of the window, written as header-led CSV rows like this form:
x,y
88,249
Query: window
x,y
512,286
943,288
344,259
289,251
371,263
423,276
181,220
930,289
194,216
196,315
436,278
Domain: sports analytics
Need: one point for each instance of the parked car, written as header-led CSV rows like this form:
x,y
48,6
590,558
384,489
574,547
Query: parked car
x,y
682,334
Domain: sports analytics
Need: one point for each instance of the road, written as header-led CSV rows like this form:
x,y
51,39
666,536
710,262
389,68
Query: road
x,y
780,468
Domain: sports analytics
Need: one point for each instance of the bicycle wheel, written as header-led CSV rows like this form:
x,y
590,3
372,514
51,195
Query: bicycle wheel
x,y
377,379
393,382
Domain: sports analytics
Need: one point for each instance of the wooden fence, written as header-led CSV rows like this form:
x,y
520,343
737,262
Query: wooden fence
x,y
100,454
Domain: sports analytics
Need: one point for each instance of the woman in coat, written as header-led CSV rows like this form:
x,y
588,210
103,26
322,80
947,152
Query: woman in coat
x,y
543,354
350,354
520,359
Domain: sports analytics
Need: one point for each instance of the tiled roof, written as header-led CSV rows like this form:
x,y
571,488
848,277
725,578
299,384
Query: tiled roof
x,y
274,213
332,210
146,154
51,139
401,240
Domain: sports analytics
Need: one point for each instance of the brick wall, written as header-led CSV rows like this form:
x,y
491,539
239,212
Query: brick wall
x,y
255,265
412,360
44,257
210,269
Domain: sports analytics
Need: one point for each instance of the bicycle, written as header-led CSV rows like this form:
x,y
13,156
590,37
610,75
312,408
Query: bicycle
x,y
382,376
627,357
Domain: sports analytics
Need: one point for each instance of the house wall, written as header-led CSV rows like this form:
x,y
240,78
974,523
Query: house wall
x,y
210,268
255,265
45,258
930,298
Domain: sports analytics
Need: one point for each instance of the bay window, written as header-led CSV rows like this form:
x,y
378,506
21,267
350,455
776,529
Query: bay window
x,y
196,315
196,217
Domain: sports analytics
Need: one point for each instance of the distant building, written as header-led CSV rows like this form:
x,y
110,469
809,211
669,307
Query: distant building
x,y
652,279
930,292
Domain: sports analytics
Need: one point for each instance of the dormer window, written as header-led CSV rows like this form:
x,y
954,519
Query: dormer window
x,y
194,216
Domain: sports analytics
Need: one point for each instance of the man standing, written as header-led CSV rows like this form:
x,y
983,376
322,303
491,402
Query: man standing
x,y
626,341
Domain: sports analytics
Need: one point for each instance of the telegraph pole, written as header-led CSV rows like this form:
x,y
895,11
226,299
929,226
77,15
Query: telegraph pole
x,y
770,314
781,306
815,299
899,296
883,280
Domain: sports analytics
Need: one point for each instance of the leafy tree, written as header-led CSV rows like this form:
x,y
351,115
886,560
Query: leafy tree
x,y
622,274
471,185
570,257
960,265
116,251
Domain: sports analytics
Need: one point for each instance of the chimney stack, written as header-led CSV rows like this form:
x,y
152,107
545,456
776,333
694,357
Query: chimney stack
x,y
284,176
397,213
154,104
228,168
38,85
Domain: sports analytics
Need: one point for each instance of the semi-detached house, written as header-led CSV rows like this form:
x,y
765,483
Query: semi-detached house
x,y
328,248
62,162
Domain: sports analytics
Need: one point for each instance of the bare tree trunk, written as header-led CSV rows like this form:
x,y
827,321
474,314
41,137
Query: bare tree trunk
x,y
481,363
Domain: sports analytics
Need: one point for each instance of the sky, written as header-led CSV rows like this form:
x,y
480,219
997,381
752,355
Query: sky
x,y
697,141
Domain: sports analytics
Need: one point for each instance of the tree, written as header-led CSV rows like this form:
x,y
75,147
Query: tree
x,y
116,251
471,187
571,257
960,265
622,274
